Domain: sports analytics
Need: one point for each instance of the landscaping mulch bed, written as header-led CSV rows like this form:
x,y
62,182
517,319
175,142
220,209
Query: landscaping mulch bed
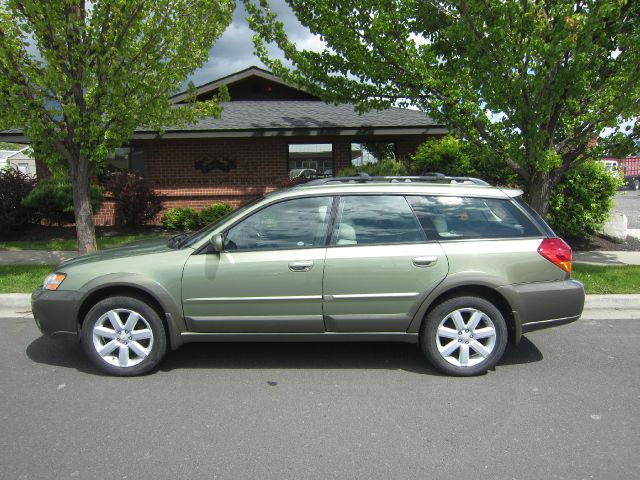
x,y
632,244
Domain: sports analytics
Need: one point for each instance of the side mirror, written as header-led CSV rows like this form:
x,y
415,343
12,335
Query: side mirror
x,y
216,242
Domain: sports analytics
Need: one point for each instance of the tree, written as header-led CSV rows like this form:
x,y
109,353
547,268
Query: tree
x,y
530,82
78,77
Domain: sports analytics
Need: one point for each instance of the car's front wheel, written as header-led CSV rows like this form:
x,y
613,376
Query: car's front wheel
x,y
464,336
124,336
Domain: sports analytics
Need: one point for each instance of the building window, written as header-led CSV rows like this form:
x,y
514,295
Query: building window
x,y
310,160
372,152
126,159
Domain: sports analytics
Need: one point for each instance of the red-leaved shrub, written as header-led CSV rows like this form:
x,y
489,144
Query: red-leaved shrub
x,y
14,186
135,201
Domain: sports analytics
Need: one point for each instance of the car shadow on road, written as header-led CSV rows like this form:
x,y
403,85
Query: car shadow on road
x,y
388,356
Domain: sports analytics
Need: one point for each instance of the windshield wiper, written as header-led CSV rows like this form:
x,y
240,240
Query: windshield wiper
x,y
178,240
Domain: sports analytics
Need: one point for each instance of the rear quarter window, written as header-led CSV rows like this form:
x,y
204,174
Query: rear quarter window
x,y
461,218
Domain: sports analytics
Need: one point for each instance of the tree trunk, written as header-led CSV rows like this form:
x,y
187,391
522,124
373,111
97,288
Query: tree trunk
x,y
539,189
85,229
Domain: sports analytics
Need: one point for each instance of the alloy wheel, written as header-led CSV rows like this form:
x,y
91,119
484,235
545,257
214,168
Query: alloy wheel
x,y
122,337
466,337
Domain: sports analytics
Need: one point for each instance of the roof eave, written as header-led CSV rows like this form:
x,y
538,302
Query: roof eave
x,y
14,137
292,132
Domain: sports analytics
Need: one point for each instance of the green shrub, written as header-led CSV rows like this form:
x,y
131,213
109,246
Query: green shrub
x,y
381,168
52,200
180,218
459,159
213,212
135,200
580,204
14,187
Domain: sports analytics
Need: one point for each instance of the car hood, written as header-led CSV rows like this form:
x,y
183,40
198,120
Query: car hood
x,y
135,249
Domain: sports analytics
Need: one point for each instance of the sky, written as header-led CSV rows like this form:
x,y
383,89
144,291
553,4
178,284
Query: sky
x,y
234,50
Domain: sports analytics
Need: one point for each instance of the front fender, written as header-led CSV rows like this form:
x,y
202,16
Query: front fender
x,y
134,281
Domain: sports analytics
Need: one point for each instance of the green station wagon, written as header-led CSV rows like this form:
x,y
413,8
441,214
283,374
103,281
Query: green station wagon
x,y
451,264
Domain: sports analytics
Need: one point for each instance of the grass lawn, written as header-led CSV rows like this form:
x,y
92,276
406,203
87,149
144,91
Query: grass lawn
x,y
22,278
71,244
596,279
602,280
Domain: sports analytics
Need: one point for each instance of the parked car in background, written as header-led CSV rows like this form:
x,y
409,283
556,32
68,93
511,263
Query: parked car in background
x,y
304,173
451,264
630,168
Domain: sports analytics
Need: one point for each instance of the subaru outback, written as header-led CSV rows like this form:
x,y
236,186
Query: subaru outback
x,y
451,264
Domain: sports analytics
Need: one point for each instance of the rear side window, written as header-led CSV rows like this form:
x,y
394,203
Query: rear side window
x,y
375,220
544,225
459,218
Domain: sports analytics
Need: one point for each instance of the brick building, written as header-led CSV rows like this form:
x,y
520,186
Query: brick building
x,y
268,132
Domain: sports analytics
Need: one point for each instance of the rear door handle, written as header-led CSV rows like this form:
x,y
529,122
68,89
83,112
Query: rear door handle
x,y
428,261
303,266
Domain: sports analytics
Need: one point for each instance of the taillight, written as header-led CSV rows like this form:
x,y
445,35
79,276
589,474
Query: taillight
x,y
557,252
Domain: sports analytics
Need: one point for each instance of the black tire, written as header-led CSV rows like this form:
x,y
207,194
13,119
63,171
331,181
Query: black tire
x,y
133,349
431,342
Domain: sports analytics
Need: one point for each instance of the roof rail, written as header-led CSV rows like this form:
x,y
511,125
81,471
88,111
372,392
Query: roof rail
x,y
426,178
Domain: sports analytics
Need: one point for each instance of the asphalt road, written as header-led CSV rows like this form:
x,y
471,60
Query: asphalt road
x,y
628,202
563,405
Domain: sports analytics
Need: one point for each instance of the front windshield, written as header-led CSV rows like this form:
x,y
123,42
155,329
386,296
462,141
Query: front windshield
x,y
194,238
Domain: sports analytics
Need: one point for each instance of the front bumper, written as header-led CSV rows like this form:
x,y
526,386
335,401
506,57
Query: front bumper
x,y
544,304
56,312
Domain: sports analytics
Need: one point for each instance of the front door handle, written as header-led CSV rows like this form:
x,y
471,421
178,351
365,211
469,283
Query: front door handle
x,y
428,261
303,266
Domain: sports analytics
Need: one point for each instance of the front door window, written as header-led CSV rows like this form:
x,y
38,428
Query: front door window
x,y
298,223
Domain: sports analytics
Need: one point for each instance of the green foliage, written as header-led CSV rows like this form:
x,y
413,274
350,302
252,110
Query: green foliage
x,y
52,201
446,155
381,168
57,243
601,280
456,158
181,218
22,278
14,187
79,77
10,146
620,143
135,200
213,213
531,83
580,204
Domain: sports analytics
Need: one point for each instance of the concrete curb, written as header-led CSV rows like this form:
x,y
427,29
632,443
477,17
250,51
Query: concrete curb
x,y
15,305
596,306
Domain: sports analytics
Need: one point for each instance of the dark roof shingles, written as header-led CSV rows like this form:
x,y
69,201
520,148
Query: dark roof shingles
x,y
288,114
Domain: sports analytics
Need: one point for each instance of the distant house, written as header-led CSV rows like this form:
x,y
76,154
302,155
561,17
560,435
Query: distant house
x,y
269,131
18,159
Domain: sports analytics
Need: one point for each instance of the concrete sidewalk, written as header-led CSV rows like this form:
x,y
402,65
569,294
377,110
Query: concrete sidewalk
x,y
597,307
35,257
607,258
44,257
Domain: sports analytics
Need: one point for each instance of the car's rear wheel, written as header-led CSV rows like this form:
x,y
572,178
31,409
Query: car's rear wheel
x,y
464,336
124,336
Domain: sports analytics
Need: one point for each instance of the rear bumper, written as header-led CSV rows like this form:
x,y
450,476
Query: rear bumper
x,y
55,312
544,304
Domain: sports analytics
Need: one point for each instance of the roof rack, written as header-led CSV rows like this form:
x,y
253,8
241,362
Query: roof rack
x,y
427,178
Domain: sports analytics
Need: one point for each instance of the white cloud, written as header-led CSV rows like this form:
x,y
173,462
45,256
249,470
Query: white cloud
x,y
234,49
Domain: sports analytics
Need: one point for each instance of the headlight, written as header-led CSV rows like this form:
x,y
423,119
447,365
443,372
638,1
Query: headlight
x,y
53,281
